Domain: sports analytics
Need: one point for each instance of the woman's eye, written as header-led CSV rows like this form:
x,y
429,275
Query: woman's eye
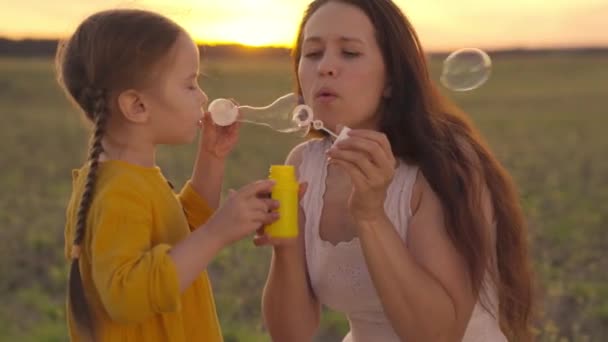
x,y
313,54
351,53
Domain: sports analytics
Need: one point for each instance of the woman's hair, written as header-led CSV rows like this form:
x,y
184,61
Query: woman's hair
x,y
111,51
423,127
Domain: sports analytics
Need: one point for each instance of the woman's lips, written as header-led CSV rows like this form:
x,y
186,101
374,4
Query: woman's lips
x,y
325,95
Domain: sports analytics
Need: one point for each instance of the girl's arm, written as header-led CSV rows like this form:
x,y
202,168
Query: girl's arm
x,y
136,278
214,146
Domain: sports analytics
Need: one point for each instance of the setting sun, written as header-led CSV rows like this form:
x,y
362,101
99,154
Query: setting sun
x,y
440,24
254,41
243,30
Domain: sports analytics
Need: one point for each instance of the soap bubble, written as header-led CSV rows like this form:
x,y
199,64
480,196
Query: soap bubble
x,y
286,114
466,69
223,112
302,115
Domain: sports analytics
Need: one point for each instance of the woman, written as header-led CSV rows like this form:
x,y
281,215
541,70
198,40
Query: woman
x,y
410,227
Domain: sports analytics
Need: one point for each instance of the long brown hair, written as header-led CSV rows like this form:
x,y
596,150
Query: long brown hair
x,y
423,127
109,52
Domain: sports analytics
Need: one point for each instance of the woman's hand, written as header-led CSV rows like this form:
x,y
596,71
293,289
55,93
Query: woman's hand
x,y
368,159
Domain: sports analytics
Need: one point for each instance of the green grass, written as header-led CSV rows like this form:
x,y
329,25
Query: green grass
x,y
545,118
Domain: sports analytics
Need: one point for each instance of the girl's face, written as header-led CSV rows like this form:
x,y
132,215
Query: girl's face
x,y
341,70
178,105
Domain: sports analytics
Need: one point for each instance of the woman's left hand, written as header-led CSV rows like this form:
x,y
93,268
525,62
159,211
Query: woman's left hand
x,y
217,140
368,159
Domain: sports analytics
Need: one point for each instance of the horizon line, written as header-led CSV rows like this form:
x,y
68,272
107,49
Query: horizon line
x,y
290,46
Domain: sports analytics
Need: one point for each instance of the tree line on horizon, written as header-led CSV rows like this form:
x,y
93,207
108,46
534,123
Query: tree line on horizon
x,y
47,48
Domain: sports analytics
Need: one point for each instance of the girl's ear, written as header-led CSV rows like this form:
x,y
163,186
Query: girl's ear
x,y
132,106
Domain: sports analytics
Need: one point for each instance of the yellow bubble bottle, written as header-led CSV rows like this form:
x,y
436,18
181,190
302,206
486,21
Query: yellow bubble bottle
x,y
285,191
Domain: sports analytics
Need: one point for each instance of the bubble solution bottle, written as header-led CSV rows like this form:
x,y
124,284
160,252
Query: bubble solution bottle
x,y
285,191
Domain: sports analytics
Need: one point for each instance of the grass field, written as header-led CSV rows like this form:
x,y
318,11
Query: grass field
x,y
544,116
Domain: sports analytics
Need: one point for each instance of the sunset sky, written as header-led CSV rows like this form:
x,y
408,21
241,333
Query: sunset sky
x,y
441,24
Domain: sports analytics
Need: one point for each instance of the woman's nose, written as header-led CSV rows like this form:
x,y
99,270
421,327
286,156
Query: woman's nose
x,y
328,66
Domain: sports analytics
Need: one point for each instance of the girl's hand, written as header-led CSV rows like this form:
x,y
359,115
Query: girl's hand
x,y
218,141
368,159
263,239
244,211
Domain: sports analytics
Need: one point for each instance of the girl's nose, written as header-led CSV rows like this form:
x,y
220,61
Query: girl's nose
x,y
204,99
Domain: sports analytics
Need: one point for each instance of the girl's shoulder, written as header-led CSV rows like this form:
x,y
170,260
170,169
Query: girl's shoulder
x,y
116,179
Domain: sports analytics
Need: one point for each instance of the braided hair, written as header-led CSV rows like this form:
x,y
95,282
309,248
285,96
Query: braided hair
x,y
99,112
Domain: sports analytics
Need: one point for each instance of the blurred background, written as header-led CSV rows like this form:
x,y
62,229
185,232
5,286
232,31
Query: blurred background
x,y
544,111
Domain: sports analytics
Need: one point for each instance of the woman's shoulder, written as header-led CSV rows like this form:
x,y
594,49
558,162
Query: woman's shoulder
x,y
297,154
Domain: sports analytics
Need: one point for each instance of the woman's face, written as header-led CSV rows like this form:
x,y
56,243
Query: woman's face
x,y
341,70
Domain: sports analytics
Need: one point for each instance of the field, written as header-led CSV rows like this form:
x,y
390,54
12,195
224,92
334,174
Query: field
x,y
544,116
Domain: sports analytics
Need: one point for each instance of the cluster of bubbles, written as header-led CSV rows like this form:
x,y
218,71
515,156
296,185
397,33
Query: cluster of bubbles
x,y
463,70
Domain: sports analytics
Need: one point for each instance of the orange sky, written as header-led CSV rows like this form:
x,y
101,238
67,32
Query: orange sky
x,y
441,24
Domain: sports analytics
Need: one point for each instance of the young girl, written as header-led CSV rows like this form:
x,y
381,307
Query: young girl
x,y
138,251
411,226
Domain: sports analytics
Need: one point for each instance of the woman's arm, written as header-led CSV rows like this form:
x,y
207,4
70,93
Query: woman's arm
x,y
424,286
291,311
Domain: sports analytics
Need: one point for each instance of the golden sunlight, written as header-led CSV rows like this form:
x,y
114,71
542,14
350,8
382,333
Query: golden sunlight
x,y
250,32
440,24
247,22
